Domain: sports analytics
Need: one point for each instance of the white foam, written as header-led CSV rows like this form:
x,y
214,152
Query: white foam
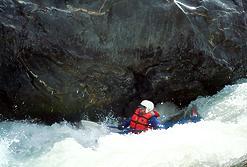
x,y
4,153
208,143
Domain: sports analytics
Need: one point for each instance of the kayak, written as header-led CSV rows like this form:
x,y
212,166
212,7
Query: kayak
x,y
193,119
165,125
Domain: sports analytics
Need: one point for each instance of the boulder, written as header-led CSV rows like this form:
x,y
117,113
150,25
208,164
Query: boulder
x,y
69,60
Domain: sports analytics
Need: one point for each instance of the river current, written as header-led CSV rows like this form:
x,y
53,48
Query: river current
x,y
219,140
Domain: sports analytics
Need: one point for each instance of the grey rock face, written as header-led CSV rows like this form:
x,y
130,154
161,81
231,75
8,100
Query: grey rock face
x,y
67,59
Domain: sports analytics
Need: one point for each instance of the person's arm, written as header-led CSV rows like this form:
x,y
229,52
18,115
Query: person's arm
x,y
124,124
156,113
155,123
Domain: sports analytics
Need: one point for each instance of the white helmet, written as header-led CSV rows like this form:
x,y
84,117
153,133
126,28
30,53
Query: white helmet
x,y
148,104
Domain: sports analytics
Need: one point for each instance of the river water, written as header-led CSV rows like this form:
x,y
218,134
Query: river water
x,y
219,140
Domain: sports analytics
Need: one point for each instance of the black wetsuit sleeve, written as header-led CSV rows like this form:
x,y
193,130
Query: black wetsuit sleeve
x,y
154,122
125,123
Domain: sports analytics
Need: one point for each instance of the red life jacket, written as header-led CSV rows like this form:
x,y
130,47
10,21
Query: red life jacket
x,y
139,120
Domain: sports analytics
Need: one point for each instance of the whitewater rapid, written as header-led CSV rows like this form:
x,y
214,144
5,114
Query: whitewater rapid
x,y
219,140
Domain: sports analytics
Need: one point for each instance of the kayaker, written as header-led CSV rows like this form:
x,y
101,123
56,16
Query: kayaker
x,y
145,117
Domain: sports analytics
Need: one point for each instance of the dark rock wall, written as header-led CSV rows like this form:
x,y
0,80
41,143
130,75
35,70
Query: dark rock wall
x,y
69,59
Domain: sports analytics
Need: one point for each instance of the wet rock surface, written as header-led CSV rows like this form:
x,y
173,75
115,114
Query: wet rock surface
x,y
70,59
